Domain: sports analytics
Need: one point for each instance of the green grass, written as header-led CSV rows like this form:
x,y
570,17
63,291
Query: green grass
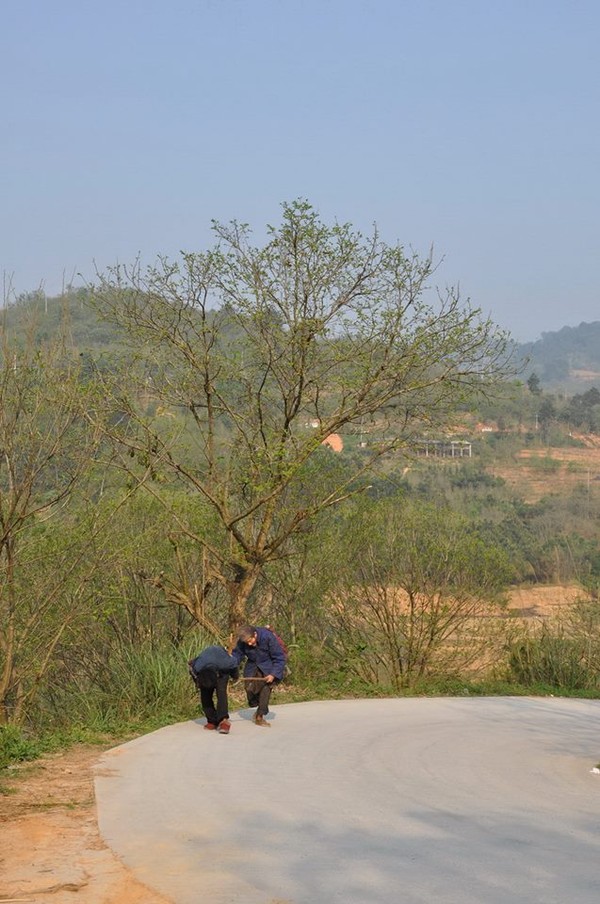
x,y
15,747
545,464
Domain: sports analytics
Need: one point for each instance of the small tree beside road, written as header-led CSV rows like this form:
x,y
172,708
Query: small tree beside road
x,y
418,589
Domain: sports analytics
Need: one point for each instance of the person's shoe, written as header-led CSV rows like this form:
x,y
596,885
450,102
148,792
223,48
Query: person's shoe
x,y
260,720
224,726
209,726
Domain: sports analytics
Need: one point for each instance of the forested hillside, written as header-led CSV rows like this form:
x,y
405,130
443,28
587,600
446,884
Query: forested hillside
x,y
568,359
40,319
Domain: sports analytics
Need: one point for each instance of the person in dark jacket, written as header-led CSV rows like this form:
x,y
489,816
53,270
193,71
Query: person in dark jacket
x,y
265,661
211,671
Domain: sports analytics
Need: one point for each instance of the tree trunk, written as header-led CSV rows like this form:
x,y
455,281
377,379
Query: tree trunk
x,y
239,594
6,676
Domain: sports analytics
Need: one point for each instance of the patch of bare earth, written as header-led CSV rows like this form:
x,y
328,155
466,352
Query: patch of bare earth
x,y
50,846
567,469
543,601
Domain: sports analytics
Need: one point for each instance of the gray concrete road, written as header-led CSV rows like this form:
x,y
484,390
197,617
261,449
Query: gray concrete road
x,y
446,800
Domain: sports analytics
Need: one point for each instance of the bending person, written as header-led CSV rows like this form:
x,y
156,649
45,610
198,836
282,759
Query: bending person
x,y
265,661
211,671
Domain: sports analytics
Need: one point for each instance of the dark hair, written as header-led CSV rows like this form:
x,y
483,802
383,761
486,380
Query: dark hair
x,y
246,632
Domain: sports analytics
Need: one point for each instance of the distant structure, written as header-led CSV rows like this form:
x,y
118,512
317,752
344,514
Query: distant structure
x,y
334,441
442,448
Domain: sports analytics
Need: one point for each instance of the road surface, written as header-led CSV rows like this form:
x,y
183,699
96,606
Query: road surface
x,y
446,800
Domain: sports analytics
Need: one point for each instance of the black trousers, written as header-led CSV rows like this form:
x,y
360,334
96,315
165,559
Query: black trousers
x,y
259,693
221,711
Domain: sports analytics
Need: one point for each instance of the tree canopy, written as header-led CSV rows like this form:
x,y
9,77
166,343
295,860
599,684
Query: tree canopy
x,y
245,358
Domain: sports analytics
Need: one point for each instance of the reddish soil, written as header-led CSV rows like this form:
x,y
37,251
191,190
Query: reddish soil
x,y
542,602
50,847
537,473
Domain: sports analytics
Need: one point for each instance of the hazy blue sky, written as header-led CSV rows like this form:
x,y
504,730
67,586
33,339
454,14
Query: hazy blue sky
x,y
472,125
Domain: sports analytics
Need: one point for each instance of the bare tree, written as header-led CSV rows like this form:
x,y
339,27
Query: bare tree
x,y
259,353
418,592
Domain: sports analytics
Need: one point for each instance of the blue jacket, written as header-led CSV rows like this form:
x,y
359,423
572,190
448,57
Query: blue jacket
x,y
216,658
267,655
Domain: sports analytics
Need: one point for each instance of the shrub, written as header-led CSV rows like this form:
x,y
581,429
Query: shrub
x,y
551,659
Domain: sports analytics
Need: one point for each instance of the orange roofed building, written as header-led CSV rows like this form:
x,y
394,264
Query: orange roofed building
x,y
334,441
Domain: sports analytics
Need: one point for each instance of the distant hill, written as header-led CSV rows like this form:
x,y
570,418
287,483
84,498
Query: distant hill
x,y
568,358
43,318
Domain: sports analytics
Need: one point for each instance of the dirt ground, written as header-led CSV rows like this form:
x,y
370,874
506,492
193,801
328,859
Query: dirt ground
x,y
50,847
542,601
572,467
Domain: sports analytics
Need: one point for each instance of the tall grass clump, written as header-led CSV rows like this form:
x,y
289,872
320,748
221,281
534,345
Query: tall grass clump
x,y
551,659
140,686
562,653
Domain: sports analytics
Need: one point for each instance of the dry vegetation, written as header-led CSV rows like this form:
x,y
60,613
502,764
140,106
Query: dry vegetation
x,y
538,472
